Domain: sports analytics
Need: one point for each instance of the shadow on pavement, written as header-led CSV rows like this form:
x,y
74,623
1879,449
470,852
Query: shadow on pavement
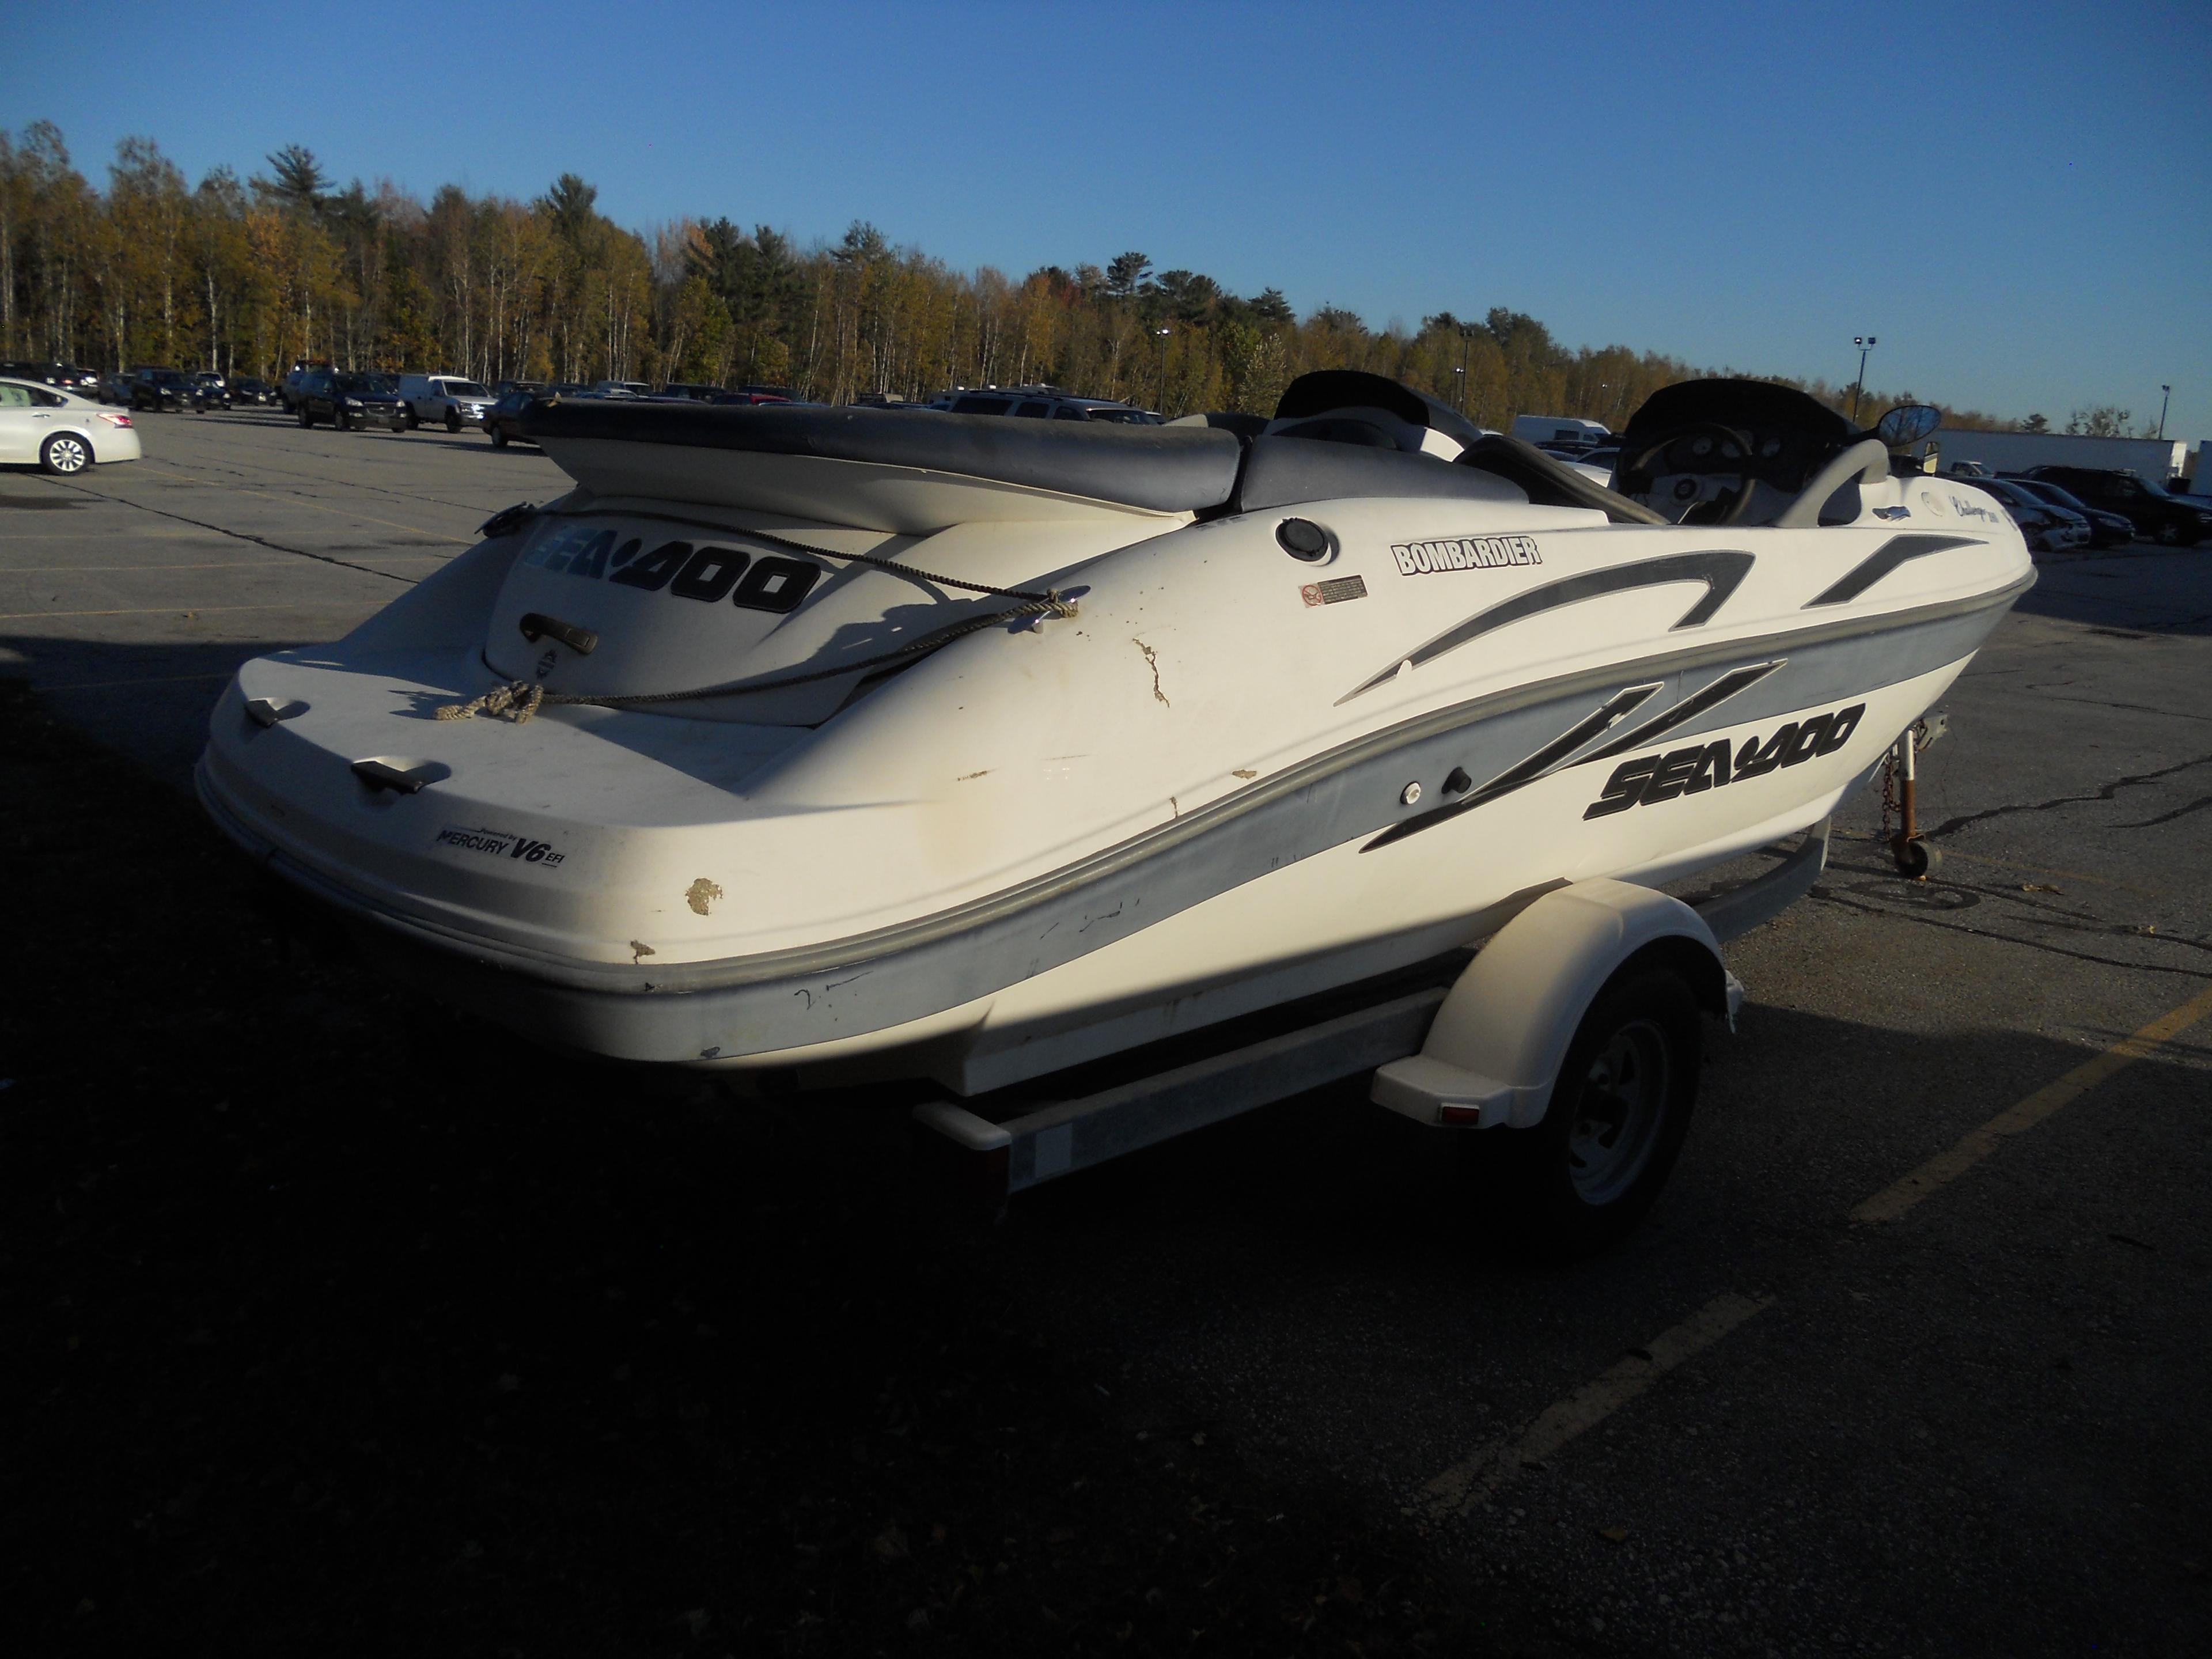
x,y
347,1322
148,702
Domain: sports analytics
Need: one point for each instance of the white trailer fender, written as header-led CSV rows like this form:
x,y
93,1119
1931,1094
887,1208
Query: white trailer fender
x,y
1496,1043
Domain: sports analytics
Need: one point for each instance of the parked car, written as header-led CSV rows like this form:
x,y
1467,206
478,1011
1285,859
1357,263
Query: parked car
x,y
349,402
62,377
446,400
1043,402
63,432
2105,528
245,391
501,421
2155,515
214,390
114,388
2047,529
501,388
746,398
165,389
696,393
77,382
622,388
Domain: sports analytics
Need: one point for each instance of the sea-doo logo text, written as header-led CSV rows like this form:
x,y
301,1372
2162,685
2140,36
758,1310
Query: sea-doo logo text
x,y
709,575
501,843
1464,553
1700,767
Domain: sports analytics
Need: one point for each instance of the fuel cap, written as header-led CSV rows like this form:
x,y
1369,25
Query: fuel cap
x,y
1302,538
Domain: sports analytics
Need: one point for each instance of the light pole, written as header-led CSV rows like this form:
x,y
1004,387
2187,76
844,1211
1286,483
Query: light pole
x,y
1465,330
1865,343
1161,335
2164,396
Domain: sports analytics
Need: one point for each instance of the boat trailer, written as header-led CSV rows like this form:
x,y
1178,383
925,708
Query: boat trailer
x,y
1544,968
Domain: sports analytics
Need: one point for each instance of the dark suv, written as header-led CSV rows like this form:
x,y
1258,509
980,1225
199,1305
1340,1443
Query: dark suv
x,y
349,401
2156,515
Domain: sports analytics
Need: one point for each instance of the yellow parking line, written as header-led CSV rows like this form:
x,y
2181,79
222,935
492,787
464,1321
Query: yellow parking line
x,y
1465,1483
149,611
112,685
135,570
1894,1199
293,501
2047,870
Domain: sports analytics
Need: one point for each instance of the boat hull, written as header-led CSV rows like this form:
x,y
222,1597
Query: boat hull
x,y
1244,759
1276,893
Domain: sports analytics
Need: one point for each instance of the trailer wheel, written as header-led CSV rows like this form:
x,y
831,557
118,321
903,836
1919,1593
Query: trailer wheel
x,y
1579,1181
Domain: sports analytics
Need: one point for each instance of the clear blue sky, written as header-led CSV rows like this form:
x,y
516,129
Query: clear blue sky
x,y
2016,198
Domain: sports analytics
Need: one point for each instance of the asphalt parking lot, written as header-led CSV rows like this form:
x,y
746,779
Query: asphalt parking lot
x,y
340,1319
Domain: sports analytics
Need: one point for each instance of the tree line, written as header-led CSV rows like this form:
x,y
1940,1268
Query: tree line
x,y
247,276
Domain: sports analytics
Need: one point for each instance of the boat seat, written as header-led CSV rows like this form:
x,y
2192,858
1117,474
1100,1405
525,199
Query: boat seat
x,y
1159,469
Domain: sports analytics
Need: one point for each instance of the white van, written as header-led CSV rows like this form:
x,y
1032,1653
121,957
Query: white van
x,y
446,399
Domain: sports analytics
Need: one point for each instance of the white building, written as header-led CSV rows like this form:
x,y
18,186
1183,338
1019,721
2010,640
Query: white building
x,y
2156,458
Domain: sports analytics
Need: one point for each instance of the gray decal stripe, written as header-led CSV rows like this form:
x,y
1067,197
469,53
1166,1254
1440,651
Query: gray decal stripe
x,y
1736,680
1959,628
1614,708
1897,551
1722,571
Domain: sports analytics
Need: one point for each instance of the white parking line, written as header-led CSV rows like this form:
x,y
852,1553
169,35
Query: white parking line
x,y
1894,1199
1466,1484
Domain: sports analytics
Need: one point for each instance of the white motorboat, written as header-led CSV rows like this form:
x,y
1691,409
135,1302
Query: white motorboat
x,y
852,743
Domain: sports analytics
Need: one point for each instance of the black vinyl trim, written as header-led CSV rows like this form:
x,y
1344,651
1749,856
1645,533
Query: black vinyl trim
x,y
1614,709
1722,570
1710,696
1897,551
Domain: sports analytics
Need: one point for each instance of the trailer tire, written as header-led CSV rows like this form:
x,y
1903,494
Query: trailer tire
x,y
1579,1181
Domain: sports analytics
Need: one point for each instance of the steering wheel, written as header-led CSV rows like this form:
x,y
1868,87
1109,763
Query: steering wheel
x,y
1726,443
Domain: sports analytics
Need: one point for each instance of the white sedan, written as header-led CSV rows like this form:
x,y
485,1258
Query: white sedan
x,y
63,432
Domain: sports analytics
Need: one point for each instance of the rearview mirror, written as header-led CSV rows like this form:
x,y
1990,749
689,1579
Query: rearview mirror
x,y
1907,424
